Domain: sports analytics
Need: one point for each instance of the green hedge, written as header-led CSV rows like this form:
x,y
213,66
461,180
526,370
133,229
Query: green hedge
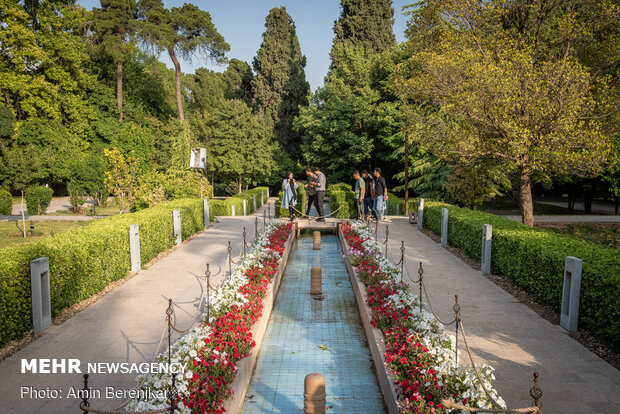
x,y
38,198
302,198
6,202
341,194
393,201
224,207
85,260
534,259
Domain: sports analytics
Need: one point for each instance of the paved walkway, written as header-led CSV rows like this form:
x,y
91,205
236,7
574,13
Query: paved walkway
x,y
561,219
123,326
598,207
508,335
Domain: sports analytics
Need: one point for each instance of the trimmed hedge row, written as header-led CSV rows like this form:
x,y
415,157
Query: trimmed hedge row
x,y
534,259
341,194
302,199
85,260
224,207
6,202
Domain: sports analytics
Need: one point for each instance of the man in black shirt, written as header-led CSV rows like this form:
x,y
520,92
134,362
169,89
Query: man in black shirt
x,y
380,192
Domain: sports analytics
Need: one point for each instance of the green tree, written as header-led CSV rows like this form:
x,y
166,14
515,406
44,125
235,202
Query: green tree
x,y
44,66
7,123
241,148
280,85
366,24
116,23
506,87
186,31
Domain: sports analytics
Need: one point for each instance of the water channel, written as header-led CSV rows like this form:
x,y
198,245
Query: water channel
x,y
305,335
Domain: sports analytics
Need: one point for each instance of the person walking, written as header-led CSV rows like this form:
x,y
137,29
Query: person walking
x,y
360,187
311,190
320,187
289,194
380,192
368,193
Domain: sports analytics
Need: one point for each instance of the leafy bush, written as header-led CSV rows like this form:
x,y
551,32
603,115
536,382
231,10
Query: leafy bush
x,y
534,259
6,202
302,199
341,195
38,199
224,207
393,201
85,260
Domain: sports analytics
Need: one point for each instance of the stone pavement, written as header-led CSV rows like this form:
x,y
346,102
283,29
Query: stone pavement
x,y
506,334
123,326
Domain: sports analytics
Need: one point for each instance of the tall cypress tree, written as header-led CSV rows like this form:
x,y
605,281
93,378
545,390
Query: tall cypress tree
x,y
280,84
365,23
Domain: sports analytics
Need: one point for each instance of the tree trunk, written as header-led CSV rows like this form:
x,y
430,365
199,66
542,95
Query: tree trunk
x,y
119,88
240,185
177,75
525,197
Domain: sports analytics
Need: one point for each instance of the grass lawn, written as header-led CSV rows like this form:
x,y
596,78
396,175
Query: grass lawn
x,y
605,234
109,210
507,206
11,235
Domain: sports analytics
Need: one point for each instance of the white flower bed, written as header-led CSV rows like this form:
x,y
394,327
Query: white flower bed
x,y
186,348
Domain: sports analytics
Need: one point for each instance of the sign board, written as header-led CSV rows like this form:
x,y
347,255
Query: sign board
x,y
198,158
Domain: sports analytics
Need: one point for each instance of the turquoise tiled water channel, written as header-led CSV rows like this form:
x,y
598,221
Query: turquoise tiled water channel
x,y
306,335
326,210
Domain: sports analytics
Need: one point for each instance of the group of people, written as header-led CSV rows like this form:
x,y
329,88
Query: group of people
x,y
370,193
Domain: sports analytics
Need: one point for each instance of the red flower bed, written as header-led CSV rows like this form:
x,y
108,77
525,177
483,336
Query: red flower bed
x,y
411,362
231,339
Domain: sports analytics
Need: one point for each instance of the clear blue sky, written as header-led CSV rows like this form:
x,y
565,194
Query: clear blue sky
x,y
242,22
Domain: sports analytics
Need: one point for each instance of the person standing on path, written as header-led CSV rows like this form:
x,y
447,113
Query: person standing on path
x,y
368,193
320,187
380,192
360,188
311,191
289,194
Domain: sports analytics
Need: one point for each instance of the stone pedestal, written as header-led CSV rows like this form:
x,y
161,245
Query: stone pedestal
x,y
233,210
420,213
569,318
134,247
176,224
206,214
485,258
245,207
314,394
316,240
444,226
254,202
316,280
40,291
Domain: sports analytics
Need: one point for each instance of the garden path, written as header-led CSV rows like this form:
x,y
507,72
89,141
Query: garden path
x,y
124,325
505,333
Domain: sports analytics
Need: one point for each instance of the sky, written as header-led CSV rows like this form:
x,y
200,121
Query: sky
x,y
242,23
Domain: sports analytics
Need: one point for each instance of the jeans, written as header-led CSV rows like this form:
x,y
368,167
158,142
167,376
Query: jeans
x,y
378,207
368,205
311,199
318,202
358,208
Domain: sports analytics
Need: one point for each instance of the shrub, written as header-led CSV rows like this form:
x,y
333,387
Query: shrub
x,y
534,259
224,207
341,194
394,201
38,199
6,202
85,260
302,199
248,197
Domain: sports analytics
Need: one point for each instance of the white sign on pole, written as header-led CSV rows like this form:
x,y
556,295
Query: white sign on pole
x,y
198,158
